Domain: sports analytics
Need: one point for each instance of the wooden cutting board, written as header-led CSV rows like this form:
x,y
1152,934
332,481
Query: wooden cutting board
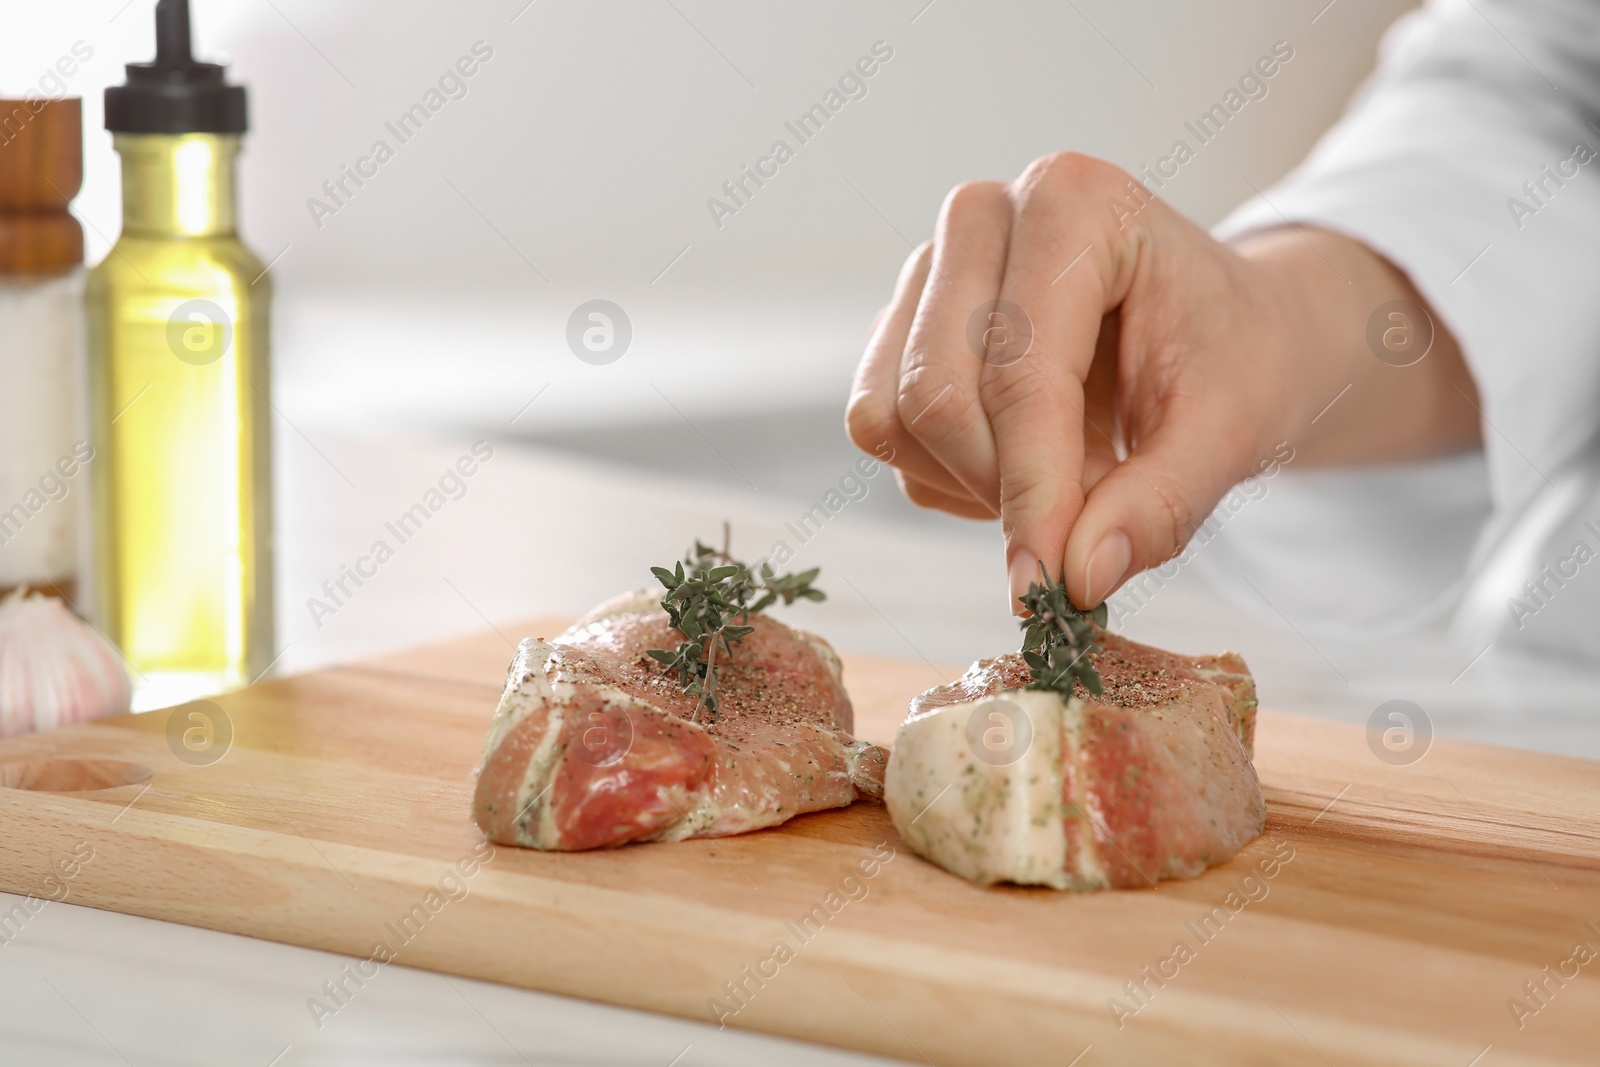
x,y
1401,912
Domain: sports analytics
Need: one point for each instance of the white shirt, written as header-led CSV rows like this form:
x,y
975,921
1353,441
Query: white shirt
x,y
1469,160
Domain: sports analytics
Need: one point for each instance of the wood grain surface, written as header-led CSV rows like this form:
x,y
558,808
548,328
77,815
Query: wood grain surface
x,y
1403,911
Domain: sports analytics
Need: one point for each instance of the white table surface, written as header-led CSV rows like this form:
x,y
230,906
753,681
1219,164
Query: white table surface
x,y
540,532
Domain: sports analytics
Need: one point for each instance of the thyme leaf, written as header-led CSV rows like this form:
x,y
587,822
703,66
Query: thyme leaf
x,y
1057,638
710,598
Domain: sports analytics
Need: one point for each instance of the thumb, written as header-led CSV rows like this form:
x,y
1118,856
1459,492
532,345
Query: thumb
x,y
1143,512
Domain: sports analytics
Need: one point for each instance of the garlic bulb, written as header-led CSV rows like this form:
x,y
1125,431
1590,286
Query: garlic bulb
x,y
54,668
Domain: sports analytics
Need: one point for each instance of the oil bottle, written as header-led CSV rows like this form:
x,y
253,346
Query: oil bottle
x,y
179,389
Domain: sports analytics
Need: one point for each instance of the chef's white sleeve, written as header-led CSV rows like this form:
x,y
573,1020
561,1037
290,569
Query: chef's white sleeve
x,y
1468,160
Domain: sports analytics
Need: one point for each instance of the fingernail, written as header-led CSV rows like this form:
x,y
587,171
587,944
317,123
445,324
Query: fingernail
x,y
1023,571
1105,566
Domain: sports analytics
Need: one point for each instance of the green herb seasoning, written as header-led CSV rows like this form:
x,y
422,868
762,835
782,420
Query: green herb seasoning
x,y
706,592
1057,638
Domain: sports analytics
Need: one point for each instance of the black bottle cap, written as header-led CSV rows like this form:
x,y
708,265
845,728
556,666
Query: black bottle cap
x,y
175,94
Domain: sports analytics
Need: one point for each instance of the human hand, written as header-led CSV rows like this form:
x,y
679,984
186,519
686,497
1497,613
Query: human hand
x,y
1138,370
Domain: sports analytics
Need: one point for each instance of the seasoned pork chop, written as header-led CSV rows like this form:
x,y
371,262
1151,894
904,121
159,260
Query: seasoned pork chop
x,y
1151,780
593,744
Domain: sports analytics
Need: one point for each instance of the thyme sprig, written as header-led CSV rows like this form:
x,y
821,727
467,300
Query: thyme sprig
x,y
1057,638
710,598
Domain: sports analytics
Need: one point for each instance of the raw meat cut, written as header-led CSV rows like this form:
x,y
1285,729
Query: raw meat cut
x,y
593,744
1151,780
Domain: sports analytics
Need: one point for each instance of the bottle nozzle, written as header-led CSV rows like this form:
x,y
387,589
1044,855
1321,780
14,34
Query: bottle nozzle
x,y
172,33
175,93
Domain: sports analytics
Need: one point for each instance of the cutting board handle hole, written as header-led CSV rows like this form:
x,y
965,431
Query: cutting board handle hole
x,y
71,775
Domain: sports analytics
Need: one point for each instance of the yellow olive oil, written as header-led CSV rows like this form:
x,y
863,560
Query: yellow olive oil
x,y
178,350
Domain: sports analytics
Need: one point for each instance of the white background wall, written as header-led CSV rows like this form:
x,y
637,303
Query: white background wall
x,y
587,146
